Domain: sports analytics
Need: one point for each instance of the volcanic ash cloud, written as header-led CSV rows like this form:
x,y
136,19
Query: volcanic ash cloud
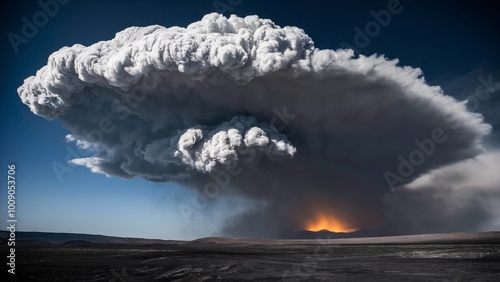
x,y
313,131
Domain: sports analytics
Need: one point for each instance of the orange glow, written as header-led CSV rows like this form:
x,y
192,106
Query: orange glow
x,y
329,223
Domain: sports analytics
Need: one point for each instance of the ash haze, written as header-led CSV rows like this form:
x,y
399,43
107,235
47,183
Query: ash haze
x,y
272,134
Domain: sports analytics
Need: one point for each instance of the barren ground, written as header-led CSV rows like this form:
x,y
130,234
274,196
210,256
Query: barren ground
x,y
462,258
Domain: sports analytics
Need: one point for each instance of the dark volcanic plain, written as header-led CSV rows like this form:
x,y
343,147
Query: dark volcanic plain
x,y
433,257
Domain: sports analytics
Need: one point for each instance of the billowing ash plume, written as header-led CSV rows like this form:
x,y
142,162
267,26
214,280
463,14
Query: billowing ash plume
x,y
311,131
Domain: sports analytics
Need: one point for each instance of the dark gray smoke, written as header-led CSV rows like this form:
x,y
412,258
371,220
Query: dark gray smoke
x,y
311,132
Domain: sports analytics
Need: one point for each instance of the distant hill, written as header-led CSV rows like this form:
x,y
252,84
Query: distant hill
x,y
58,238
440,238
304,237
325,234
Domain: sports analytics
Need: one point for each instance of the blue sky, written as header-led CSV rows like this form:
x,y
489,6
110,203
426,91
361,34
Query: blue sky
x,y
447,40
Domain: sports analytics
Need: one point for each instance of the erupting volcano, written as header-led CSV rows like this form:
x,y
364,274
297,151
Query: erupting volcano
x,y
268,133
328,223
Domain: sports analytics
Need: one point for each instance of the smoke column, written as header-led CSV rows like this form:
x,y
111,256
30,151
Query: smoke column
x,y
311,132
